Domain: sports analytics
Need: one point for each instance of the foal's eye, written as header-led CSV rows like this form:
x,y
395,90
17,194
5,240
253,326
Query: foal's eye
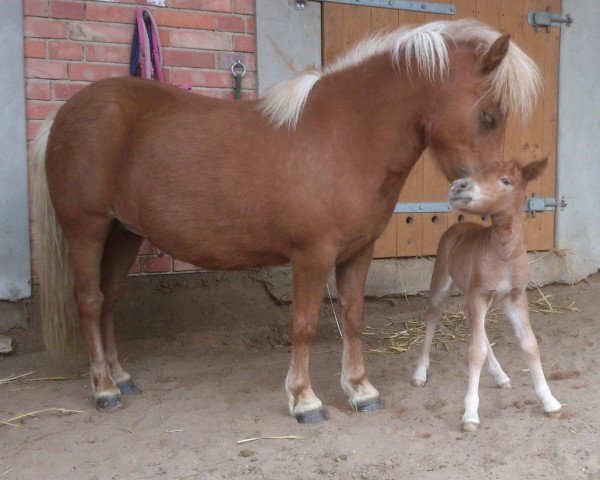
x,y
488,119
505,181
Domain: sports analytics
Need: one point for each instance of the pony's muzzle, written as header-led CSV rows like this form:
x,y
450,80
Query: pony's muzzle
x,y
461,192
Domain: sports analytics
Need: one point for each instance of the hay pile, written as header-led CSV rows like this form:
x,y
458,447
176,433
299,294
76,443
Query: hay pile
x,y
398,336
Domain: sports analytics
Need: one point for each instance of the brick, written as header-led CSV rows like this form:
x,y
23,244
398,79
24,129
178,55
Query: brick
x,y
207,92
91,72
214,79
35,49
110,13
244,6
97,52
65,50
147,249
38,90
37,68
64,91
41,28
205,5
35,8
99,32
244,43
173,18
188,58
251,25
231,24
41,110
179,266
200,40
70,10
152,264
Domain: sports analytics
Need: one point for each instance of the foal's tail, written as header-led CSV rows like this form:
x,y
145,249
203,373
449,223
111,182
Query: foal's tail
x,y
57,304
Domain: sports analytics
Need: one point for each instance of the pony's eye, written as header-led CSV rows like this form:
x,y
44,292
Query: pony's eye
x,y
505,181
488,119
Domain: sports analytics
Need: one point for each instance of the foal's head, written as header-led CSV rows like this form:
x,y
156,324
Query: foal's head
x,y
500,188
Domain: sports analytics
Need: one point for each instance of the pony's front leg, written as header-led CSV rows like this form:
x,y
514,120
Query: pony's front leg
x,y
351,276
517,309
310,278
477,305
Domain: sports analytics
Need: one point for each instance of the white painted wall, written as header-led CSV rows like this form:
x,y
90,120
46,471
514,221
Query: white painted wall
x,y
14,219
578,166
288,40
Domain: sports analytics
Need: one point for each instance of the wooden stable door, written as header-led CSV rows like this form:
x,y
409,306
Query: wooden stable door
x,y
416,234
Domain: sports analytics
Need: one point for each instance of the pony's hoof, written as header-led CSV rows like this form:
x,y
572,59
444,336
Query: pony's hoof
x,y
555,414
369,405
469,427
128,388
417,383
108,403
313,416
505,386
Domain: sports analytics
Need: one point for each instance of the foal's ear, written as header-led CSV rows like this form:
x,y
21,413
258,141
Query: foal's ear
x,y
533,170
496,53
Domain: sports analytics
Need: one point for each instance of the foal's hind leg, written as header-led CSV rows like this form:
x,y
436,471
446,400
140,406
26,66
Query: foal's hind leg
x,y
310,278
351,276
120,250
501,378
517,309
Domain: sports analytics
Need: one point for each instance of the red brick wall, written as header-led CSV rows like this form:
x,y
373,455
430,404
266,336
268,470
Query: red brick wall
x,y
70,43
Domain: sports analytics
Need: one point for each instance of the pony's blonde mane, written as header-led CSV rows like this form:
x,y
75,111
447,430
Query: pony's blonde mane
x,y
514,84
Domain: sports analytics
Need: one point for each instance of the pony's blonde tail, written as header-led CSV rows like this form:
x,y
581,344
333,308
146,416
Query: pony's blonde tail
x,y
60,326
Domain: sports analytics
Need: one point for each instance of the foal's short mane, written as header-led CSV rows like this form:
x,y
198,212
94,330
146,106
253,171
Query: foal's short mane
x,y
514,83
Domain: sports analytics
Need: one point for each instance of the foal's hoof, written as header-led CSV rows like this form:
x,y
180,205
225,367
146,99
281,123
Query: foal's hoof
x,y
110,402
505,386
313,416
369,405
469,427
555,414
417,383
128,388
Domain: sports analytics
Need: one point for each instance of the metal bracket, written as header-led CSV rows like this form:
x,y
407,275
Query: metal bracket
x,y
427,7
548,19
532,204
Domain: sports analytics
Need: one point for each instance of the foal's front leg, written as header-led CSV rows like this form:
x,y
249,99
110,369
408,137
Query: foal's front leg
x,y
517,309
477,305
351,276
310,278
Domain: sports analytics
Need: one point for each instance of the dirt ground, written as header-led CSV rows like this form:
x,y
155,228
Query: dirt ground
x,y
207,385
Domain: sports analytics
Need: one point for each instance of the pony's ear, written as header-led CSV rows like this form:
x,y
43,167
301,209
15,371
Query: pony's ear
x,y
533,170
496,53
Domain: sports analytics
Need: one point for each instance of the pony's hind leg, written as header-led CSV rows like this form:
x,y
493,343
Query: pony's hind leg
x,y
310,277
441,287
517,309
85,251
351,276
120,250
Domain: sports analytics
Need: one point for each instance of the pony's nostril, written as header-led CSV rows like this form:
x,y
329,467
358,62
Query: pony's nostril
x,y
463,185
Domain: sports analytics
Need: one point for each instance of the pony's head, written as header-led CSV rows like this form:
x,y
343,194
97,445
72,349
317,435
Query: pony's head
x,y
496,189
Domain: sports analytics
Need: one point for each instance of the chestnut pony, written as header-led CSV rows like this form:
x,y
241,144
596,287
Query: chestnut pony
x,y
308,175
487,265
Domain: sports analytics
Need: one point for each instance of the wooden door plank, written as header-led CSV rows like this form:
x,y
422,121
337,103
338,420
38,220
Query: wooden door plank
x,y
332,36
550,99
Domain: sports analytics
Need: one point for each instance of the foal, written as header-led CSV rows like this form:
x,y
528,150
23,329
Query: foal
x,y
487,264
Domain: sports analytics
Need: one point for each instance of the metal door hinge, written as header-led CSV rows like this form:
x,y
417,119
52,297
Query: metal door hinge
x,y
548,19
427,7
